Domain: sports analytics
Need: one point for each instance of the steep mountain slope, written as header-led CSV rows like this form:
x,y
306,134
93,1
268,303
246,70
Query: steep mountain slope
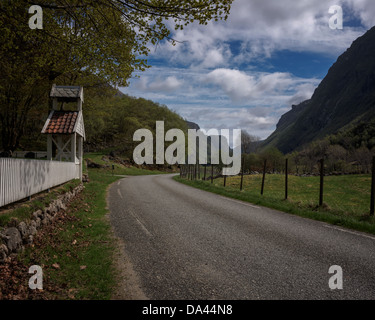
x,y
345,96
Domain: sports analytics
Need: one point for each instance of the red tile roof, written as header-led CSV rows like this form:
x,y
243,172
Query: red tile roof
x,y
62,122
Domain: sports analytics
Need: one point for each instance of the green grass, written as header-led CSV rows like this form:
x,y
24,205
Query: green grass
x,y
83,246
346,198
119,169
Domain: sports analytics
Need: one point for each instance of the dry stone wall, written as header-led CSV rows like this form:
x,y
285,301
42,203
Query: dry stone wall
x,y
16,235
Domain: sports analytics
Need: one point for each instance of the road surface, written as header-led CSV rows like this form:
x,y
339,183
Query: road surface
x,y
184,243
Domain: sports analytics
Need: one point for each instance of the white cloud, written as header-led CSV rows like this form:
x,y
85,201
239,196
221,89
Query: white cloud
x,y
215,57
236,84
364,9
241,86
233,118
157,84
265,26
225,98
202,77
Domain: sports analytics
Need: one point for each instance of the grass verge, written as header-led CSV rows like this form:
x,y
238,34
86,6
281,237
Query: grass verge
x,y
345,197
76,252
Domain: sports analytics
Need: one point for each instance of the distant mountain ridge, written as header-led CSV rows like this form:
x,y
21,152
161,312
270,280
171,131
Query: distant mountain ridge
x,y
192,125
346,96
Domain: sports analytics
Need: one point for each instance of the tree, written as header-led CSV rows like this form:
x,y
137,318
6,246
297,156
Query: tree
x,y
274,158
147,17
363,157
32,60
295,157
82,42
337,157
248,142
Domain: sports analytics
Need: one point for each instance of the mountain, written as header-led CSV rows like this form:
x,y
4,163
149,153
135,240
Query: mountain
x,y
192,125
345,97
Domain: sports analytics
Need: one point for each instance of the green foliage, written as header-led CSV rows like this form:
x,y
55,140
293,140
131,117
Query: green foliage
x,y
357,135
82,43
255,161
111,122
349,151
119,169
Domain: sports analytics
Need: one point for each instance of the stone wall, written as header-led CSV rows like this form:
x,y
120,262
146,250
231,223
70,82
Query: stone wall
x,y
17,234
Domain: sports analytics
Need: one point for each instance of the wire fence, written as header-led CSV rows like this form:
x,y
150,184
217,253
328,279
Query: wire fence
x,y
211,173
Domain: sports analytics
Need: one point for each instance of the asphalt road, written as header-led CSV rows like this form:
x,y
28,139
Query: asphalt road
x,y
184,243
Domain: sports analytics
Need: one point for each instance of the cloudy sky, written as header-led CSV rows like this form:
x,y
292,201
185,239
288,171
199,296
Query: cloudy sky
x,y
244,73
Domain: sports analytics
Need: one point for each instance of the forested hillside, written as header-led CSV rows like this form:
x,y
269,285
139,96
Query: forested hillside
x,y
110,118
111,122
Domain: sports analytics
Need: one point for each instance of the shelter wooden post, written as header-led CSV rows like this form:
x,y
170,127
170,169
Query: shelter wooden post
x,y
243,168
372,205
321,189
65,127
286,179
264,176
49,147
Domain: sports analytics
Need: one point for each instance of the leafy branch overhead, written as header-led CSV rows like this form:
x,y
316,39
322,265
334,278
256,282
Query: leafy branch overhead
x,y
147,21
82,42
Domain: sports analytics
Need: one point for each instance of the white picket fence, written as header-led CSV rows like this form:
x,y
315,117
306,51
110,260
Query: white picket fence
x,y
21,178
21,154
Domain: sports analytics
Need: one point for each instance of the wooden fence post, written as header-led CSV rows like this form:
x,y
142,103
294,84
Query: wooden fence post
x,y
264,176
212,173
225,181
243,167
205,169
372,207
321,182
286,179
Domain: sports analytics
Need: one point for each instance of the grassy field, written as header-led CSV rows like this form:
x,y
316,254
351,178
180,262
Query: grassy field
x,y
346,198
119,169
